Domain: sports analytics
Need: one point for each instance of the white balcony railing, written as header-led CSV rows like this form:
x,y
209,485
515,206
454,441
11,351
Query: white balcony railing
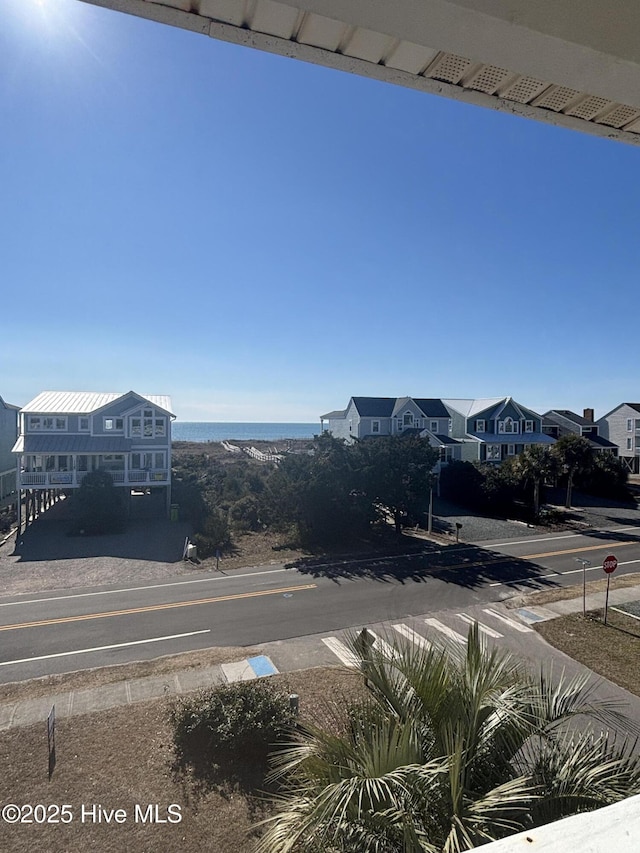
x,y
73,479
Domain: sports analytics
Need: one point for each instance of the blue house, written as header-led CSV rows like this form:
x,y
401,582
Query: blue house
x,y
493,429
64,435
8,435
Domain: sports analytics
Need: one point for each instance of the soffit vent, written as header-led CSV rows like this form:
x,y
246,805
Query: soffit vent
x,y
487,79
556,98
523,89
619,116
588,107
448,67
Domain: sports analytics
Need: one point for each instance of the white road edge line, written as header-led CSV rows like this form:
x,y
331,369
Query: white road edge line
x,y
104,648
138,588
551,538
560,574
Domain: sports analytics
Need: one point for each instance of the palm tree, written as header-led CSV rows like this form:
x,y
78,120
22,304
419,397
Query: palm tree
x,y
453,749
574,453
536,464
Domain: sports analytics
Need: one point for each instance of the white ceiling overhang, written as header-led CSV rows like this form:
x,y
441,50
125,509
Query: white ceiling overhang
x,y
576,64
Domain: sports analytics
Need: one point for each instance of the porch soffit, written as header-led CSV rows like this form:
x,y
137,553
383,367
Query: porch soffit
x,y
73,444
576,67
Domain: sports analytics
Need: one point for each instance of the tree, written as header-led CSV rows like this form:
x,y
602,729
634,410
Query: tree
x,y
454,748
396,474
535,464
573,453
98,505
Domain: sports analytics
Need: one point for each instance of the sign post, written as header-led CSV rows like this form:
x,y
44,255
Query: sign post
x,y
584,564
51,739
610,565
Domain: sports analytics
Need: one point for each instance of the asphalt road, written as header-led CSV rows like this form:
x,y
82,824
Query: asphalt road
x,y
54,633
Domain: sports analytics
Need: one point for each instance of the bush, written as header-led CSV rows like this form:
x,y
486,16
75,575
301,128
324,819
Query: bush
x,y
213,535
245,514
233,721
98,505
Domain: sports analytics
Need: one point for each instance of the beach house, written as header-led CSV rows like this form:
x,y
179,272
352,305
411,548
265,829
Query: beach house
x,y
64,435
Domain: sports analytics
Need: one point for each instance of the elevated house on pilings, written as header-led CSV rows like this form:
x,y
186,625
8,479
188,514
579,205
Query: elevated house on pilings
x,y
8,435
64,435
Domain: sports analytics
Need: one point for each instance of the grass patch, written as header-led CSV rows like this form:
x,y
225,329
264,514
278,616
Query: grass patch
x,y
85,679
610,650
124,756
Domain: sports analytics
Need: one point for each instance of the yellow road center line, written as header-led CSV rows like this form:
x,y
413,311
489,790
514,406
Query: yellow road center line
x,y
611,546
153,607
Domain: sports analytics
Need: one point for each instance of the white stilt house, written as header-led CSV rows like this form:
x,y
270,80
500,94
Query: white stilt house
x,y
64,435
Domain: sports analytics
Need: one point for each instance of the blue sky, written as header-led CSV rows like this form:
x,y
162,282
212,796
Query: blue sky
x,y
261,238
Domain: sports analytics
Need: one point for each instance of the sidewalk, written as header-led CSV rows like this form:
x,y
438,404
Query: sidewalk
x,y
29,711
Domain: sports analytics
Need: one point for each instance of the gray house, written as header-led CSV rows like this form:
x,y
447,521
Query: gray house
x,y
495,428
621,426
64,435
560,422
374,416
8,435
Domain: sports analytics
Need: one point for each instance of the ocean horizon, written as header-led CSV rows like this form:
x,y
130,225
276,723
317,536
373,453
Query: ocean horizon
x,y
225,431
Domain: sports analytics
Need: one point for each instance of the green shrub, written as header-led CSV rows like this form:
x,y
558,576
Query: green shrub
x,y
241,720
245,514
214,534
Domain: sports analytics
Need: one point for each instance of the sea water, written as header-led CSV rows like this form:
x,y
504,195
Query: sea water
x,y
204,431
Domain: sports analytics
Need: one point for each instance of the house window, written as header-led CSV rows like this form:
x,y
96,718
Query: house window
x,y
450,425
113,424
158,460
160,427
136,426
629,444
637,424
407,419
434,426
481,426
508,425
493,451
375,426
629,424
511,450
528,426
48,424
147,428
84,424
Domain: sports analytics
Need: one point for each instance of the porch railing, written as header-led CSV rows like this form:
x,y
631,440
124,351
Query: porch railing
x,y
74,479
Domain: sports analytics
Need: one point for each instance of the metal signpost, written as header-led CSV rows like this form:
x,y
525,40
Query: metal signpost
x,y
51,739
610,565
585,563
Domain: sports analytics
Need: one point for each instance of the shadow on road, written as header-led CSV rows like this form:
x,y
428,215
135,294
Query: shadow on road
x,y
463,565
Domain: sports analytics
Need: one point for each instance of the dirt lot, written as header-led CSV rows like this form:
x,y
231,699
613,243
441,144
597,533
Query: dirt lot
x,y
122,758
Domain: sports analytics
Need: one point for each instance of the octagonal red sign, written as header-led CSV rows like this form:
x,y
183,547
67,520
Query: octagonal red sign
x,y
610,564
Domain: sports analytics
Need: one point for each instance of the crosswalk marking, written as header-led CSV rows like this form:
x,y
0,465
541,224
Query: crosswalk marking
x,y
448,632
510,622
341,651
410,634
484,628
381,645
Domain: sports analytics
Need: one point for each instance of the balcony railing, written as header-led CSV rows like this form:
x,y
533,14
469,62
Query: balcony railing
x,y
73,479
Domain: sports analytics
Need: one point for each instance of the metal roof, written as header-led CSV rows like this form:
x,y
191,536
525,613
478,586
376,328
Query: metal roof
x,y
84,402
469,408
512,438
574,65
72,444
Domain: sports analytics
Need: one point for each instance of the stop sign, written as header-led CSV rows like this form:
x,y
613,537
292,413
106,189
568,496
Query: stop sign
x,y
610,564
